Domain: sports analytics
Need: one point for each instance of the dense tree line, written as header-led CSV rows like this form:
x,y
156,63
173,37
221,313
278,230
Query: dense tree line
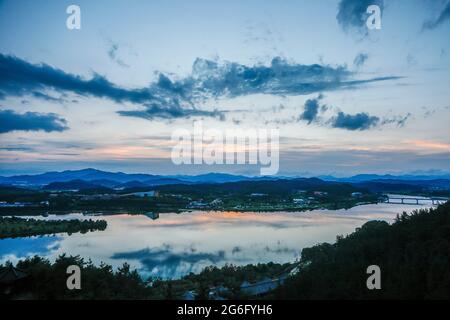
x,y
47,280
12,227
229,276
413,254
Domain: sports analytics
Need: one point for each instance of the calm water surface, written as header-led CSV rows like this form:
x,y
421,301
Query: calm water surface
x,y
176,244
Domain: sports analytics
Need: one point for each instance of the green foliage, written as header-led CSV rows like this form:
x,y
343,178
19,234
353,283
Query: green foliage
x,y
272,195
413,254
229,276
17,227
48,281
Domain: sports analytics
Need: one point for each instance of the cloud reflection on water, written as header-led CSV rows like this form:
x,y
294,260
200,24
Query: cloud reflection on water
x,y
177,244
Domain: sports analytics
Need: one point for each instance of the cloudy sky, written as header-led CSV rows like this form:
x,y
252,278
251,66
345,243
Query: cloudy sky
x,y
346,99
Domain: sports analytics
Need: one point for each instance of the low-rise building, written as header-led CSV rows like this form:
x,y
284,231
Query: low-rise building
x,y
216,202
257,194
4,204
143,194
197,205
299,201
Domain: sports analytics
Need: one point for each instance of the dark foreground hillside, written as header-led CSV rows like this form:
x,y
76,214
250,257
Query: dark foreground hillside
x,y
413,255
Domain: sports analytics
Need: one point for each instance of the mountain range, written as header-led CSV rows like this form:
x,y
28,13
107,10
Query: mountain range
x,y
91,178
116,179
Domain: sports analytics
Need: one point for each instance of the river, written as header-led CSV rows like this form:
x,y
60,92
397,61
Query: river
x,y
176,244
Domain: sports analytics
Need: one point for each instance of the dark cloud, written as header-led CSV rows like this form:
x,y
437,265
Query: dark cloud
x,y
280,78
311,110
18,148
48,98
113,55
434,23
400,121
360,59
236,249
19,77
359,121
30,121
176,112
428,112
352,14
166,98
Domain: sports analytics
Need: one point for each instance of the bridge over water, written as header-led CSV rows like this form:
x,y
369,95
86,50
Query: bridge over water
x,y
395,199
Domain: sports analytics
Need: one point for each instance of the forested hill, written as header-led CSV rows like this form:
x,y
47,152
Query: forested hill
x,y
413,254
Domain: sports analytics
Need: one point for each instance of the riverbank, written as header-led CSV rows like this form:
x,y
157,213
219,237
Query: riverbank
x,y
283,207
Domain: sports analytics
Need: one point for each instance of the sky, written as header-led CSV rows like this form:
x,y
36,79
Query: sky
x,y
346,99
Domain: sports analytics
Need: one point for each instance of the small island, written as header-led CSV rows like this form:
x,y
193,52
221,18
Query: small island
x,y
13,227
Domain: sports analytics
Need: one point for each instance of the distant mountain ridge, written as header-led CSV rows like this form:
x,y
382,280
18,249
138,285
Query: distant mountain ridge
x,y
371,177
116,180
70,185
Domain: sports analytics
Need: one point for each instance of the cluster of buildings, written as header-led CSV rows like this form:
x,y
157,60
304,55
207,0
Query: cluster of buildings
x,y
200,204
110,196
